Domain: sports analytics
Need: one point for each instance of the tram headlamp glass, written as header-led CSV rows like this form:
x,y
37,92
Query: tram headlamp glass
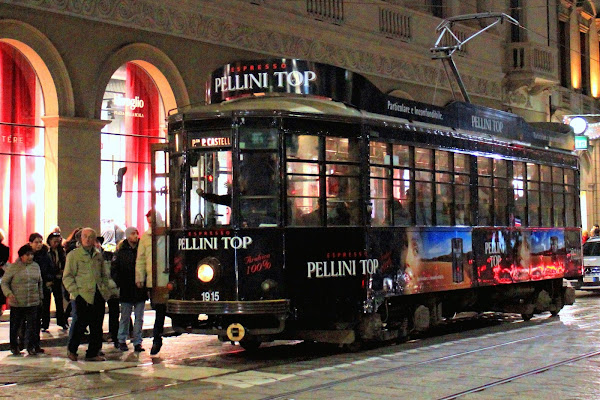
x,y
206,273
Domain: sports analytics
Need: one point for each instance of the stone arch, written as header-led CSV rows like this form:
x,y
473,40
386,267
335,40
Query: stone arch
x,y
156,63
47,63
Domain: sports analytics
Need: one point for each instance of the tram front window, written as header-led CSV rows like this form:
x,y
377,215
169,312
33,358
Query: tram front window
x,y
210,194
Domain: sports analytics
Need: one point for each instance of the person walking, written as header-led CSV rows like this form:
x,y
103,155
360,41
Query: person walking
x,y
58,259
88,282
131,296
143,274
4,255
22,285
41,257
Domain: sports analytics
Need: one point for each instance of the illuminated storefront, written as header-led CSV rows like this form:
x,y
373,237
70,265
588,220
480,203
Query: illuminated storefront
x,y
22,161
133,105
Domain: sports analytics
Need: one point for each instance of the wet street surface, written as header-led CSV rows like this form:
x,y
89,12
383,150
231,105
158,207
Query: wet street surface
x,y
491,357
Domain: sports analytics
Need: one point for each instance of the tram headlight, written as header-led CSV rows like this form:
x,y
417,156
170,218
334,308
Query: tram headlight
x,y
206,273
208,269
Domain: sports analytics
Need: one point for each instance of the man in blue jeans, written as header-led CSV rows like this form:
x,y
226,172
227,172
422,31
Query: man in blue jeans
x,y
131,297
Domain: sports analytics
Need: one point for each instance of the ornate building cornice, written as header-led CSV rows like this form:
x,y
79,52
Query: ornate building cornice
x,y
196,23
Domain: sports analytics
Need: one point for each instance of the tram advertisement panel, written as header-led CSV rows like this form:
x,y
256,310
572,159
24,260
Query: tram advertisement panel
x,y
519,255
418,260
247,264
260,265
324,270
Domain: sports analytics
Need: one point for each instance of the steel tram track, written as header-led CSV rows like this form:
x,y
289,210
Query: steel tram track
x,y
289,395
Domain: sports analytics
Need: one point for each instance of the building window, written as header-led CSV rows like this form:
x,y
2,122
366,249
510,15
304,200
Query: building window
x,y
133,104
327,10
394,24
516,11
585,63
564,53
437,8
21,150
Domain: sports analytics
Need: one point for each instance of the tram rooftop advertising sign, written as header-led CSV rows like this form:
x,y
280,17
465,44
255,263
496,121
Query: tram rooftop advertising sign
x,y
301,77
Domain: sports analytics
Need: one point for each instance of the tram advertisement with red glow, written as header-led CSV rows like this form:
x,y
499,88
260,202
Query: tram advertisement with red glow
x,y
521,255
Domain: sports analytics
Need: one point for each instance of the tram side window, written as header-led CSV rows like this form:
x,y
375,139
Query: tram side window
x,y
258,177
558,197
484,181
342,181
501,191
303,186
401,195
519,193
423,186
546,193
379,159
443,187
462,193
533,194
571,203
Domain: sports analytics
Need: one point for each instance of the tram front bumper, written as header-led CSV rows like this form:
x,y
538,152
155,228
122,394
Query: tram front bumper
x,y
252,315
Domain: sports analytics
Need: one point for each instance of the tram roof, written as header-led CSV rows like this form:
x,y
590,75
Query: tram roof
x,y
274,103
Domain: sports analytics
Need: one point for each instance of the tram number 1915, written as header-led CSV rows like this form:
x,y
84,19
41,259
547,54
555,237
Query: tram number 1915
x,y
210,296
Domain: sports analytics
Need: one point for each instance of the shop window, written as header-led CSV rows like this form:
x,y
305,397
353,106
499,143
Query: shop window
x,y
133,104
21,150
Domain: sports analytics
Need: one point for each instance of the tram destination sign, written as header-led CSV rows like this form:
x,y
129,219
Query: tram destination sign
x,y
201,139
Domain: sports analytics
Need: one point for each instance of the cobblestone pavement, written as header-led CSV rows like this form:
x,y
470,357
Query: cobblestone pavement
x,y
496,357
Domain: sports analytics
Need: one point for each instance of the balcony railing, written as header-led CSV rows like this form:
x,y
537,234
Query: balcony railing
x,y
532,58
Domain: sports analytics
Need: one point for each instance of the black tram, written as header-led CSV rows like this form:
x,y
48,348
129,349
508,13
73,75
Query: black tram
x,y
303,203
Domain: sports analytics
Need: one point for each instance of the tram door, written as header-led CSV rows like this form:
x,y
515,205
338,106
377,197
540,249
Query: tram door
x,y
159,199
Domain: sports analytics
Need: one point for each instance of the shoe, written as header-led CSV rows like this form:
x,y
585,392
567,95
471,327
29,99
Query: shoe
x,y
71,356
138,348
101,353
31,352
15,352
123,347
117,346
40,350
155,347
95,358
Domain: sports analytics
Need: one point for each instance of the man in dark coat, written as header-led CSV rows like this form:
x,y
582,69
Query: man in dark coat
x,y
131,297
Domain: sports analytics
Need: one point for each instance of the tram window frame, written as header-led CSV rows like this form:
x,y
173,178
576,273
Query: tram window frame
x,y
493,181
521,211
571,199
333,171
462,189
258,185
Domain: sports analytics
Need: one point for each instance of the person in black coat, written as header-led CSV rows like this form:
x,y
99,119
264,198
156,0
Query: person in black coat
x,y
4,254
58,259
131,297
41,257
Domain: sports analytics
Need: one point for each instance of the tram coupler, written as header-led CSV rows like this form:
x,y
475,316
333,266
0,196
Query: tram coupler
x,y
236,332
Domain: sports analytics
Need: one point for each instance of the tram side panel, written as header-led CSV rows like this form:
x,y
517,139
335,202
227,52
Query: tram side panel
x,y
420,260
513,255
324,270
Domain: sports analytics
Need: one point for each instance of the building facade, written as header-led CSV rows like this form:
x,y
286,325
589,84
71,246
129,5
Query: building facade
x,y
86,84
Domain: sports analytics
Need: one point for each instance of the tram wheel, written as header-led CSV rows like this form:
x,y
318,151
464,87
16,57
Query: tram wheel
x,y
527,317
250,344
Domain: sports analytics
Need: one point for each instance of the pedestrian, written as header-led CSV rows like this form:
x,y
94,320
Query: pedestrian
x,y
4,255
113,301
88,283
42,258
22,285
69,244
596,230
584,236
131,296
143,275
58,259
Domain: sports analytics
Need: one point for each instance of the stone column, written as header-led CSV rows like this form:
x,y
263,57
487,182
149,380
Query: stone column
x,y
72,173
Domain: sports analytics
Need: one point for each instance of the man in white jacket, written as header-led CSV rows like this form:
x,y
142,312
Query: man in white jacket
x,y
143,274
